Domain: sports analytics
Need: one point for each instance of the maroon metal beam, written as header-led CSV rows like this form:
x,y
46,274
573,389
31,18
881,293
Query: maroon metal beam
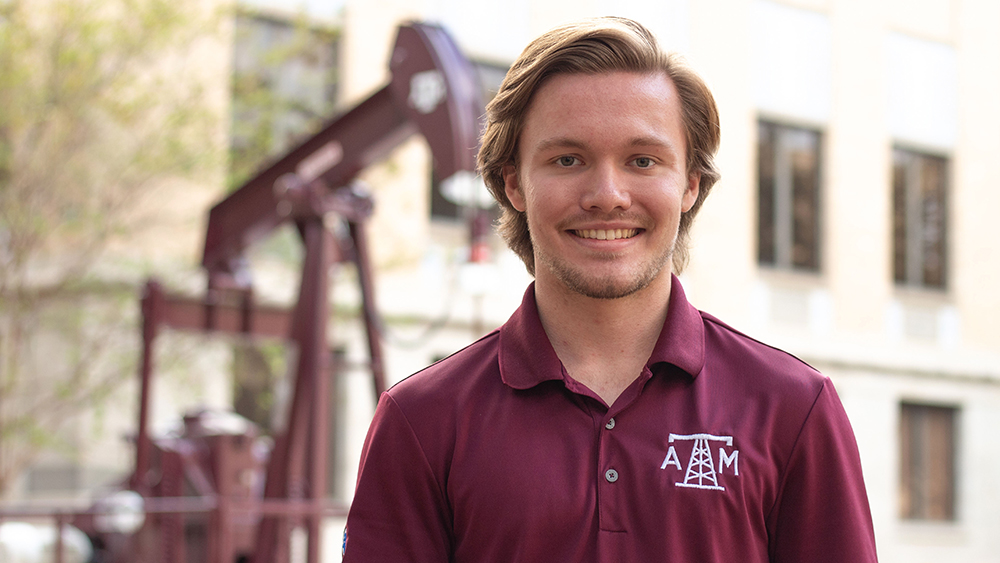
x,y
317,240
439,90
287,475
342,149
152,306
227,316
370,314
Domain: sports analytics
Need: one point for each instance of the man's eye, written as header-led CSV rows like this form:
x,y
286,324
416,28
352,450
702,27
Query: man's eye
x,y
643,162
566,160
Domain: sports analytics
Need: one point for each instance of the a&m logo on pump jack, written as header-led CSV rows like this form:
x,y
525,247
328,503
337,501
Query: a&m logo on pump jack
x,y
702,470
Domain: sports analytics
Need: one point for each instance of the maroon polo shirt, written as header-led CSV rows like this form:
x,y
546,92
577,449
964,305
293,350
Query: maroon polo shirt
x,y
723,450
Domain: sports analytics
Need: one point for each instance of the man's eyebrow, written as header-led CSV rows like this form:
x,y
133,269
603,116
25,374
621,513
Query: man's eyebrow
x,y
560,143
652,141
672,150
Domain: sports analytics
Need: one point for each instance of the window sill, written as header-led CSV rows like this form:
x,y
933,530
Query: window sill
x,y
793,298
922,295
931,532
923,316
790,278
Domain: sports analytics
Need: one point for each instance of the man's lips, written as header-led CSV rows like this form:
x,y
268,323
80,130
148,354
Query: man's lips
x,y
605,234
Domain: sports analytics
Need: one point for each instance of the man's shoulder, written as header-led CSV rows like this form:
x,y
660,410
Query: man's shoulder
x,y
751,358
439,400
455,375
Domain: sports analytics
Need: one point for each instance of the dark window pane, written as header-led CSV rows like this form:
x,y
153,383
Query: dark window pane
x,y
920,227
934,219
805,199
765,193
788,197
899,169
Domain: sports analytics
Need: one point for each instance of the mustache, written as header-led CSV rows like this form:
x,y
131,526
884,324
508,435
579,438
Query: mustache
x,y
588,219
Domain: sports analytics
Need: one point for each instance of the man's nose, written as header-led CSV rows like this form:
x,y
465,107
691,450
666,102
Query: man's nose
x,y
606,190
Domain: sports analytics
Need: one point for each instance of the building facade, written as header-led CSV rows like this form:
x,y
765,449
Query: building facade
x,y
852,225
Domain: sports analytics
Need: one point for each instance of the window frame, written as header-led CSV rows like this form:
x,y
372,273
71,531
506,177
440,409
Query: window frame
x,y
778,233
909,257
284,85
922,498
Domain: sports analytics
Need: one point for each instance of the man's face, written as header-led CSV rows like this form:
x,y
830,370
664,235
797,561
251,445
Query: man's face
x,y
602,179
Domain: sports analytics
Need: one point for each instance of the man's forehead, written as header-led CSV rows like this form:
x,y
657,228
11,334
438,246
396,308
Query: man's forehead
x,y
563,90
610,75
642,108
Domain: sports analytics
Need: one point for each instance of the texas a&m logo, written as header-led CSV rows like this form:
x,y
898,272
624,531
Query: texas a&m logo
x,y
702,470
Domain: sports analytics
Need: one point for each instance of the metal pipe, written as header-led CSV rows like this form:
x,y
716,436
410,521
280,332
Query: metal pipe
x,y
151,307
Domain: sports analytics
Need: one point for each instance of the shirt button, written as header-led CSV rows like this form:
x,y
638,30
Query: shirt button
x,y
611,475
610,425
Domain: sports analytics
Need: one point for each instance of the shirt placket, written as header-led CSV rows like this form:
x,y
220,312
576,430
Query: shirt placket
x,y
610,478
611,460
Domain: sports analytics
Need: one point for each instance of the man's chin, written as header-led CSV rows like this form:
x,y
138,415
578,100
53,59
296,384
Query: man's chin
x,y
617,286
612,279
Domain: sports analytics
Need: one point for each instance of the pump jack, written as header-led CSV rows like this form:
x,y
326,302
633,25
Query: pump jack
x,y
197,501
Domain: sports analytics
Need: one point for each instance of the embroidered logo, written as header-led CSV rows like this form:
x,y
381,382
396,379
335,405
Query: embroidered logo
x,y
702,471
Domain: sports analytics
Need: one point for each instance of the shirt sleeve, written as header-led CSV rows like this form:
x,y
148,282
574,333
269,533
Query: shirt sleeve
x,y
822,513
399,512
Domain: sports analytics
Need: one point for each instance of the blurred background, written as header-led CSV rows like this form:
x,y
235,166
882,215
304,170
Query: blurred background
x,y
855,224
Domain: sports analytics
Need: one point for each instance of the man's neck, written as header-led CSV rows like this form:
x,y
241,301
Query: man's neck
x,y
603,343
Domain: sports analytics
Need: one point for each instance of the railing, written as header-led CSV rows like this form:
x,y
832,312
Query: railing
x,y
219,509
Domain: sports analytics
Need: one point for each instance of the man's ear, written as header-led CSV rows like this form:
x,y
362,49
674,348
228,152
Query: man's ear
x,y
512,187
691,191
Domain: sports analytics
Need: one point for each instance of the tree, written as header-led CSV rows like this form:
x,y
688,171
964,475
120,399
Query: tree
x,y
101,101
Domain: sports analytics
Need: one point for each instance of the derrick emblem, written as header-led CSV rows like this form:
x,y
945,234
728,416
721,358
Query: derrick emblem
x,y
702,471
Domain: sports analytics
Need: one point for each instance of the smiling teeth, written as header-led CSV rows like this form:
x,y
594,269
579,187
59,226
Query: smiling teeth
x,y
611,234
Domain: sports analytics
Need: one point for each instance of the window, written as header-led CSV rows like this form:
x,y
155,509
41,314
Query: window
x,y
927,462
788,197
919,225
284,87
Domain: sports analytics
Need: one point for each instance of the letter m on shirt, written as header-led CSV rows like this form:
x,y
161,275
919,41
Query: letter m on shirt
x,y
729,460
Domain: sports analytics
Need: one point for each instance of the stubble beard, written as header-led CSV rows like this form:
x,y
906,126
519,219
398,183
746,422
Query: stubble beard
x,y
614,286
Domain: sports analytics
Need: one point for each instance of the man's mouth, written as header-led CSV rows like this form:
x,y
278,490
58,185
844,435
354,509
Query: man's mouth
x,y
606,234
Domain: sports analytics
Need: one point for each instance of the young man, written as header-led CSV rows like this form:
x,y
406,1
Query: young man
x,y
608,420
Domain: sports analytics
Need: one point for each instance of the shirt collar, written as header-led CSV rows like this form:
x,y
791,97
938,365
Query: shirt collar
x,y
527,358
682,340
